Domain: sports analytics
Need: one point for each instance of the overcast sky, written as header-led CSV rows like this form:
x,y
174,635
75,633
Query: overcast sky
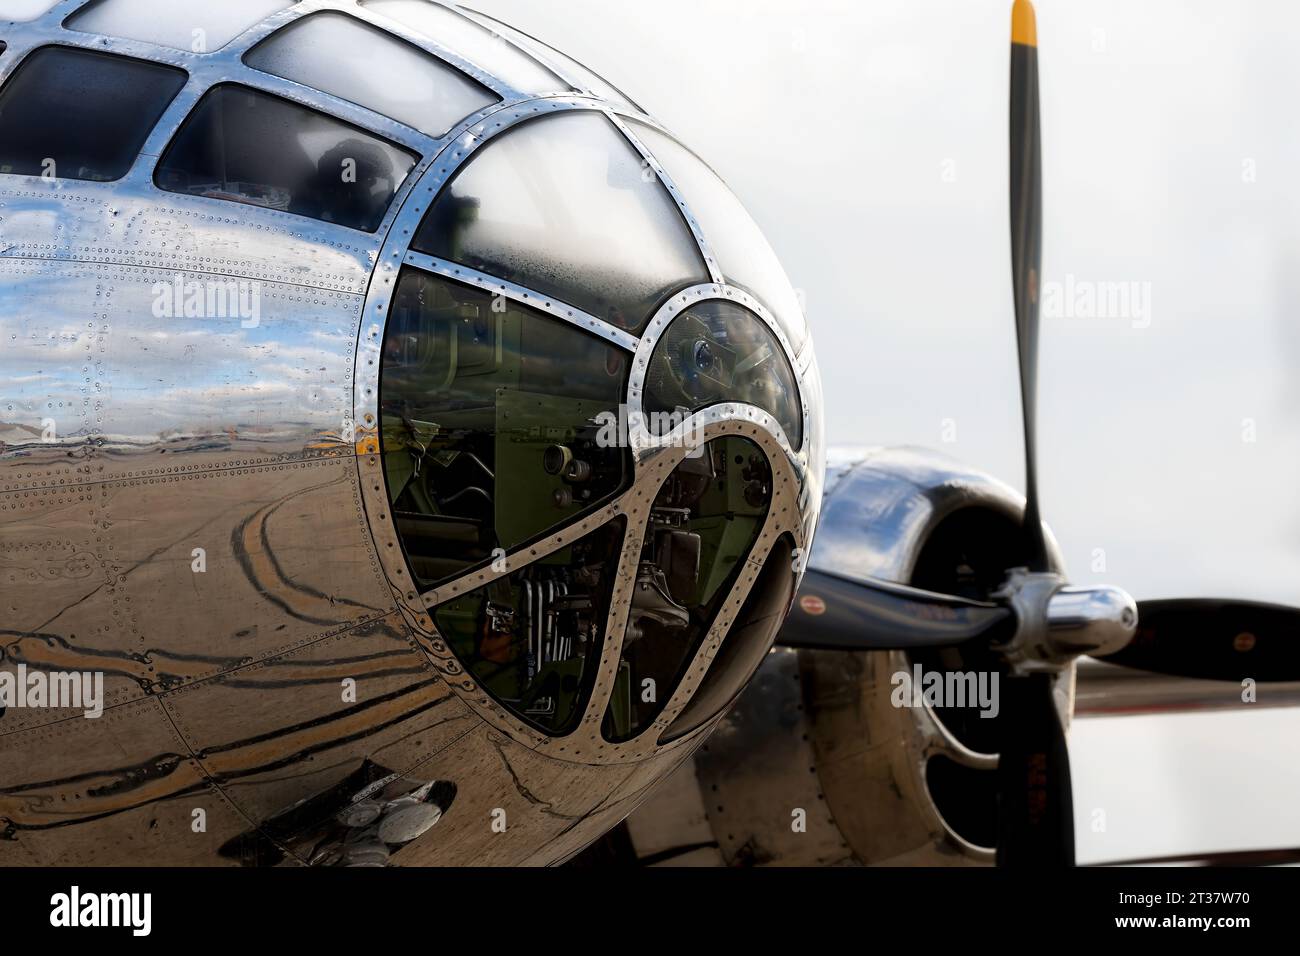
x,y
869,138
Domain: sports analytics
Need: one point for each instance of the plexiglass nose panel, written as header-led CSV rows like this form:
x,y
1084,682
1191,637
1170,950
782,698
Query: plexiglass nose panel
x,y
745,645
359,63
197,27
491,428
22,11
571,67
720,352
561,205
476,43
703,524
533,639
741,249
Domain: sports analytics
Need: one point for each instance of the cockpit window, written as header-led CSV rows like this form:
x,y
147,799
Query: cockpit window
x,y
495,424
340,54
720,352
563,205
181,25
703,524
251,147
742,252
471,40
79,114
533,639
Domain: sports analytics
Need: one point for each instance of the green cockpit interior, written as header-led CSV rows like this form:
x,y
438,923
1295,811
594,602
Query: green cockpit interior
x,y
489,424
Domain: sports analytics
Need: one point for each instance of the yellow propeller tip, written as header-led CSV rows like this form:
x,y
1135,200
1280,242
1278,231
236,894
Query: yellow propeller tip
x,y
1024,25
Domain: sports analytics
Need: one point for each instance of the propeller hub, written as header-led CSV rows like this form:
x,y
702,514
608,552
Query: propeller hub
x,y
1091,621
1057,624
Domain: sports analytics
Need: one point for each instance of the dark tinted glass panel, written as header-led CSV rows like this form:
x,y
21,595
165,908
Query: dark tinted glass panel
x,y
719,352
745,645
255,148
703,524
562,205
492,428
533,639
77,114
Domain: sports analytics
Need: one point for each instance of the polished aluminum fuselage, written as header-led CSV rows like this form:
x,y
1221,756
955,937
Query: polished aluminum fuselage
x,y
194,506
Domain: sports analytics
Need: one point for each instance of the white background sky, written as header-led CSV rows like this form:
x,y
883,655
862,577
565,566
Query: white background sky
x,y
869,138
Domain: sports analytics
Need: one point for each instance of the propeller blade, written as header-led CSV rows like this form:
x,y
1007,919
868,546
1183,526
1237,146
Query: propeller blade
x,y
854,614
1027,251
1035,803
1215,640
